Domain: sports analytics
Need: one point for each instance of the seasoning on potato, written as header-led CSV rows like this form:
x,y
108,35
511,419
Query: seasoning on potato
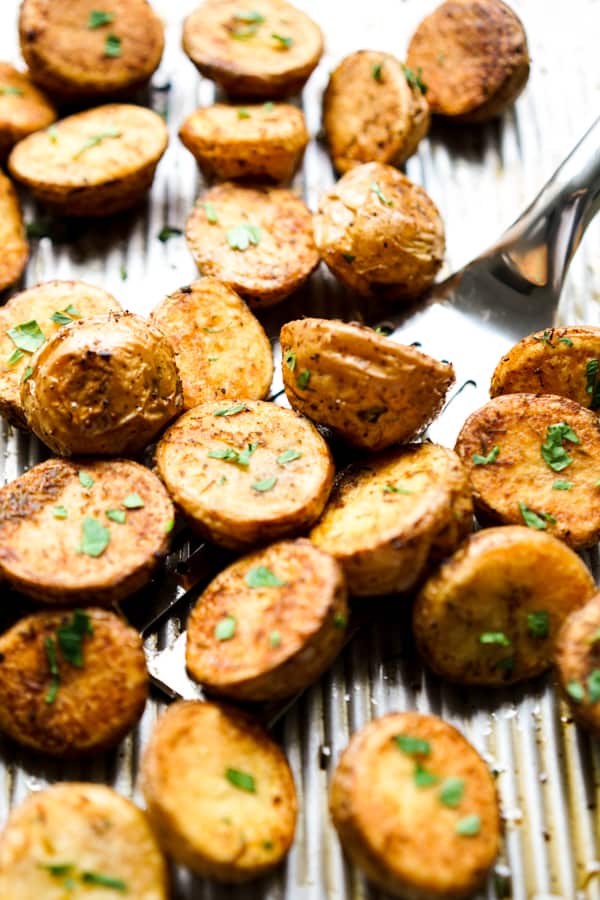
x,y
15,249
379,233
219,792
83,532
577,659
257,240
265,50
416,807
246,472
535,461
393,515
23,108
93,163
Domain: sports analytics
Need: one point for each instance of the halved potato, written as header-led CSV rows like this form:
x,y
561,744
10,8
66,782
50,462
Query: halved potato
x,y
23,108
577,659
219,791
15,249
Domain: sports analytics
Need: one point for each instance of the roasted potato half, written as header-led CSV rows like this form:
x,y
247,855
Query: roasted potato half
x,y
23,108
577,660
409,786
472,57
372,112
221,349
391,516
257,240
246,472
258,141
219,792
81,841
94,163
269,52
15,249
379,233
491,614
370,390
535,460
83,532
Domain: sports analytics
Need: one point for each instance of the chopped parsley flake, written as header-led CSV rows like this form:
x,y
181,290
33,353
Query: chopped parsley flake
x,y
14,357
595,637
169,526
288,456
52,133
217,330
226,453
244,457
394,489
413,746
290,359
261,576
27,336
451,791
50,648
231,410
340,620
274,639
116,884
469,826
491,457
593,684
553,452
545,338
209,209
112,45
374,187
267,484
242,780
95,537
565,340
242,236
592,383
116,515
575,691
59,512
28,372
423,778
70,637
562,485
538,623
85,480
65,316
249,16
11,89
133,501
495,637
167,232
243,113
268,106
225,628
284,42
349,257
303,379
415,80
98,18
97,139
376,72
538,521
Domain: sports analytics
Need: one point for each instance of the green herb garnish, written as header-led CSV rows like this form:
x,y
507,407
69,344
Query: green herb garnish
x,y
133,501
538,623
226,453
261,576
415,80
249,16
469,826
268,106
575,691
116,515
593,684
376,71
241,780
451,791
225,628
340,620
565,340
379,194
394,489
244,457
97,139
112,45
95,537
290,360
562,485
50,647
70,637
169,526
27,373
303,379
123,273
167,232
267,484
413,746
288,456
423,778
217,330
98,18
349,257
242,236
59,512
538,521
52,133
85,480
27,336
209,209
592,383
14,357
274,639
495,637
116,884
486,460
553,452
243,113
231,410
284,42
10,89
65,316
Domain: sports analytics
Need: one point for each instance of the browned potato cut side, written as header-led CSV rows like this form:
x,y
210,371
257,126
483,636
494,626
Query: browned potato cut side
x,y
409,785
15,249
219,791
23,108
577,659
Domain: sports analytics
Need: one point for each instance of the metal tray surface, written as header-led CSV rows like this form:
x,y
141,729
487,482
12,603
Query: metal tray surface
x,y
481,178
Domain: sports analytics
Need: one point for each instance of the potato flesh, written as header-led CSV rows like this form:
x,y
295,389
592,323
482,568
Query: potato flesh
x,y
577,659
15,248
22,112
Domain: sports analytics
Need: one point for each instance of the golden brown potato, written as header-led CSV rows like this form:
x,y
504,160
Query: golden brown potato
x,y
15,249
89,532
45,304
246,472
80,841
23,108
372,112
535,461
269,624
490,615
219,792
85,50
577,659
71,683
221,349
94,163
472,57
415,807
104,385
257,240
379,233
391,516
258,141
265,52
370,390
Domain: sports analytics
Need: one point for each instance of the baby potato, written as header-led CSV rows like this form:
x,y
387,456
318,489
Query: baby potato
x,y
259,141
379,233
269,624
88,51
221,349
257,240
391,516
370,390
490,615
577,660
473,58
372,112
81,841
269,52
246,472
219,792
416,808
15,249
94,163
23,108
83,532
535,460
95,694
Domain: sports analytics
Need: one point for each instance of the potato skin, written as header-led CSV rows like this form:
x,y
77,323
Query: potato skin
x,y
199,818
388,825
372,119
15,249
388,250
372,391
577,660
22,111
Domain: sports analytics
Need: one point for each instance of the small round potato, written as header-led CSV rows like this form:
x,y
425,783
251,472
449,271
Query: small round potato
x,y
535,460
15,249
472,57
577,659
370,390
80,841
97,694
85,50
219,792
257,240
221,349
372,112
379,233
416,808
23,108
247,472
265,141
104,385
49,305
250,52
92,532
94,163
269,624
490,615
391,516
